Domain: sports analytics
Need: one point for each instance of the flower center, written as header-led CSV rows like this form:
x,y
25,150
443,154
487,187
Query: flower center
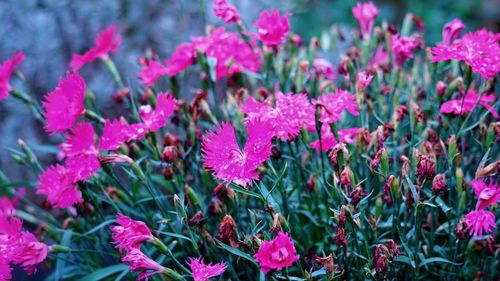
x,y
280,255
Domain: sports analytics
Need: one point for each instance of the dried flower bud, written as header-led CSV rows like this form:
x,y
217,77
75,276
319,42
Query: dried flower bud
x,y
356,195
426,167
170,154
441,88
345,177
393,248
439,185
196,219
171,139
461,229
340,238
296,40
312,183
227,231
121,95
168,172
304,66
492,169
216,207
491,246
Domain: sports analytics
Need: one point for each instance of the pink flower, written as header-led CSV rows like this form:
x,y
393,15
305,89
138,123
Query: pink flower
x,y
322,67
380,58
365,14
182,57
226,11
478,49
152,72
157,118
334,104
271,28
487,194
363,81
5,271
402,48
117,132
277,253
130,233
461,106
328,140
58,184
231,164
6,70
64,105
82,166
30,252
287,117
106,42
202,271
232,53
138,261
479,221
81,153
451,31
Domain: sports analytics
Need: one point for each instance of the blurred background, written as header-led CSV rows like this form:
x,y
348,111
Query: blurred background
x,y
50,31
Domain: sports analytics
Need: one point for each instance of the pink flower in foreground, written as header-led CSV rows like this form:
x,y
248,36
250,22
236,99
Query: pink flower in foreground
x,y
328,140
226,11
322,67
152,72
6,70
5,271
277,253
130,234
157,118
229,163
334,104
30,252
182,57
479,221
106,42
487,194
117,132
138,261
202,271
58,184
478,49
402,48
365,14
81,153
64,105
380,58
287,117
232,53
461,106
451,31
272,28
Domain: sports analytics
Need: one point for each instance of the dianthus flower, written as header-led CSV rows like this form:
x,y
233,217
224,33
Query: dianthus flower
x,y
6,70
328,140
334,104
65,104
478,49
5,271
277,253
106,42
487,194
402,48
461,106
202,271
288,116
479,222
380,59
365,14
155,119
182,57
116,132
272,28
363,80
229,163
151,72
138,261
451,31
232,53
226,11
58,184
322,67
30,252
130,234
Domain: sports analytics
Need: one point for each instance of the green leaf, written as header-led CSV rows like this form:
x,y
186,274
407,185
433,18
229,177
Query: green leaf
x,y
247,192
436,259
61,263
236,252
442,205
175,235
105,272
405,259
101,225
414,192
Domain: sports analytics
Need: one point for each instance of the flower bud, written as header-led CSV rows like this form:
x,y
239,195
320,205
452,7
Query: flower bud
x,y
439,185
227,231
312,183
345,177
440,88
196,219
191,195
461,229
171,154
459,175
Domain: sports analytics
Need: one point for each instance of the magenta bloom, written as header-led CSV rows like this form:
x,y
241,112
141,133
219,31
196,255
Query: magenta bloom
x,y
277,253
64,105
328,140
365,14
402,48
202,271
5,271
451,31
182,57
287,117
487,194
226,11
106,42
323,68
479,221
469,103
117,132
478,49
81,153
334,104
380,58
157,118
152,72
58,184
232,53
138,261
272,28
130,234
363,80
6,70
231,164
30,252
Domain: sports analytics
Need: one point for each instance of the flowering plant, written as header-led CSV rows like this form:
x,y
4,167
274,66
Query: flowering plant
x,y
291,162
